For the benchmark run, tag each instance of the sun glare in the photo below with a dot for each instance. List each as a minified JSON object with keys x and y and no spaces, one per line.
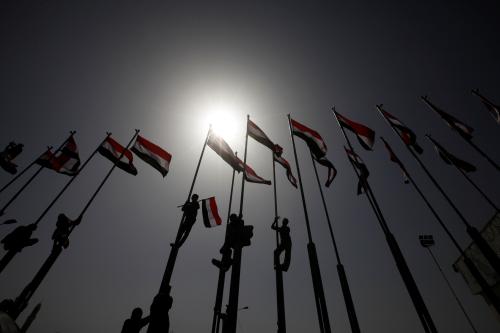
{"x":223,"y":121}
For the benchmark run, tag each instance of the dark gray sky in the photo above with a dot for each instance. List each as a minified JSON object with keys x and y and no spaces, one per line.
{"x":163,"y":67}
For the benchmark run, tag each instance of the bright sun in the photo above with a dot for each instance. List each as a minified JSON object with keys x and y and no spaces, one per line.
{"x":223,"y":122}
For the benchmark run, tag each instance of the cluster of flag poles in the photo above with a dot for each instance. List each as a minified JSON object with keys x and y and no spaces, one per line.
{"x":66,"y":160}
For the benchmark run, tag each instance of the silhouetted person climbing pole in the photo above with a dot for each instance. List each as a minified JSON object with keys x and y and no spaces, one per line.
{"x":285,"y":244}
{"x":10,"y":152}
{"x":135,"y":323}
{"x":16,"y":241}
{"x":63,"y":229}
{"x":190,"y":210}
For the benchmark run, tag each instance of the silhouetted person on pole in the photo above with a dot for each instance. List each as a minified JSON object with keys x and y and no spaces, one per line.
{"x":284,"y":245}
{"x":135,"y":323}
{"x":19,"y":238}
{"x":190,"y":210}
{"x":63,"y":229}
{"x":10,"y":152}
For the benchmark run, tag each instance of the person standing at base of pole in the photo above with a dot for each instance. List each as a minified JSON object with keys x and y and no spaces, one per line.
{"x":285,"y":244}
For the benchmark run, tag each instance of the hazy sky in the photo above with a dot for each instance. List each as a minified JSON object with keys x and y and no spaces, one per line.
{"x":165,"y":68}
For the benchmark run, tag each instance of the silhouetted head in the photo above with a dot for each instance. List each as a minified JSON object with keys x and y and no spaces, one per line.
{"x":285,"y":221}
{"x":136,"y":314}
{"x":194,"y":197}
{"x":61,"y":217}
{"x":233,"y":217}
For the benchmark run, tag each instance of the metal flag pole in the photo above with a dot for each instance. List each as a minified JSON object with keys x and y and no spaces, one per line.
{"x":280,"y":293}
{"x":14,"y":197}
{"x":12,"y":252}
{"x":483,"y":246}
{"x":427,"y":241}
{"x":493,"y":298}
{"x":23,"y":299}
{"x":351,"y":311}
{"x":18,"y":176}
{"x":229,"y":325}
{"x":319,"y":296}
{"x":226,"y":256}
{"x":404,"y":270}
{"x":492,"y":204}
{"x":162,"y":302}
{"x":468,"y":140}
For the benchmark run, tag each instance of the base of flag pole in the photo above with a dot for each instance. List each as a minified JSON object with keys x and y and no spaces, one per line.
{"x":159,"y":312}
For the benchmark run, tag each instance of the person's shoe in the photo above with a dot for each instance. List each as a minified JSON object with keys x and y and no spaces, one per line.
{"x":217,"y":263}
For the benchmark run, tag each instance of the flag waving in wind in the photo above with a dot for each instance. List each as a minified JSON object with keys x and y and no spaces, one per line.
{"x":258,"y":135}
{"x":316,"y":145}
{"x":251,"y":176}
{"x":396,"y":160}
{"x":112,"y":150}
{"x":365,"y":135}
{"x":407,"y":135}
{"x":462,"y":129}
{"x":211,"y":217}
{"x":286,"y":165}
{"x":152,"y":155}
{"x":363,"y":172}
{"x":67,"y":161}
{"x":451,"y":159}
{"x":222,"y":149}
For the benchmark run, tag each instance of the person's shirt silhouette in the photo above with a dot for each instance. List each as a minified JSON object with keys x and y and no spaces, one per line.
{"x":135,"y":323}
{"x":190,"y":210}
{"x":284,"y":245}
{"x":63,"y":228}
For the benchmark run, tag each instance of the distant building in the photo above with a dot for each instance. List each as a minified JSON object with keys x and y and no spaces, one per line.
{"x":491,"y":233}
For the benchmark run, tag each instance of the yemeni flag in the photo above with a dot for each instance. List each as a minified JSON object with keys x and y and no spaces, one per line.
{"x":316,"y":145}
{"x":222,"y":149}
{"x":68,"y":160}
{"x":112,"y":150}
{"x":365,"y":135}
{"x":288,"y":169}
{"x":396,"y":160}
{"x":363,"y":172}
{"x":451,"y":159}
{"x":462,"y":129}
{"x":250,"y":175}
{"x":152,"y":154}
{"x":258,"y":135}
{"x":492,"y":108}
{"x":407,"y":135}
{"x":211,"y":217}
{"x":45,"y":159}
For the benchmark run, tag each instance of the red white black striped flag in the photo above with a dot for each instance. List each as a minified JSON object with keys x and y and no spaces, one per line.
{"x":112,"y":151}
{"x":286,"y":165}
{"x":222,"y":149}
{"x":258,"y":135}
{"x":396,"y":160}
{"x":251,"y":176}
{"x":211,"y":217}
{"x":317,"y":146}
{"x":407,"y":135}
{"x":152,"y":154}
{"x":365,"y":135}
{"x":462,"y":129}
{"x":451,"y":159}
{"x":67,"y":161}
{"x":363,"y":172}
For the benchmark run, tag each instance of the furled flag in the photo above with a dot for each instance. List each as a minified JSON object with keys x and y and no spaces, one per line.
{"x":358,"y":163}
{"x":406,"y":134}
{"x":365,"y":135}
{"x":8,"y":155}
{"x":68,"y":159}
{"x":286,"y":165}
{"x":211,"y":217}
{"x":462,"y":129}
{"x":251,"y":176}
{"x":152,"y":154}
{"x":223,"y":150}
{"x":256,"y":133}
{"x":316,"y":145}
{"x":396,"y":160}
{"x":451,"y":159}
{"x":112,"y":150}
{"x":494,"y":109}
{"x":45,"y":159}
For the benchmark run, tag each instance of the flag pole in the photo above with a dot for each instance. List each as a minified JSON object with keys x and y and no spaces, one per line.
{"x":351,"y":311}
{"x":162,"y":302}
{"x":468,"y":262}
{"x":469,"y":141}
{"x":319,"y":296}
{"x":404,"y":270}
{"x":23,"y":299}
{"x":14,"y":197}
{"x":492,"y":204}
{"x":229,"y":325}
{"x":18,"y":176}
{"x":428,"y":248}
{"x":280,"y":293}
{"x":226,"y":256}
{"x":483,"y":246}
{"x":11,"y":253}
